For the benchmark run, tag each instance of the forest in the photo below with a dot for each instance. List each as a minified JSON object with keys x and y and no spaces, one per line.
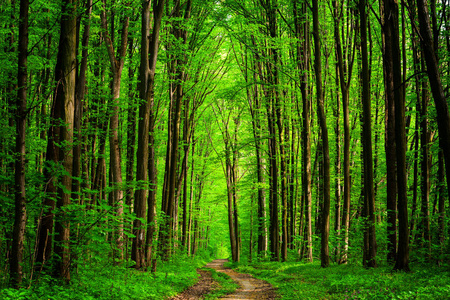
{"x":142,"y":139}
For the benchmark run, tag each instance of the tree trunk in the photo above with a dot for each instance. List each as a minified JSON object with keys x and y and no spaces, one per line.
{"x":20,"y":212}
{"x":170,"y":182}
{"x":440,"y":101}
{"x":149,"y":54}
{"x":425,"y":166}
{"x":325,"y":220}
{"x":79,"y":98}
{"x":303,"y":50}
{"x":390,"y":143}
{"x":117,"y":64}
{"x":131,"y":129}
{"x":345,"y":89}
{"x":235,"y":174}
{"x":338,"y":191}
{"x":441,"y":218}
{"x":369,"y":195}
{"x":65,"y":71}
{"x":394,"y":80}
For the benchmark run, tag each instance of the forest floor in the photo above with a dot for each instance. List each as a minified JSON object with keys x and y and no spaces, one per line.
{"x":250,"y":287}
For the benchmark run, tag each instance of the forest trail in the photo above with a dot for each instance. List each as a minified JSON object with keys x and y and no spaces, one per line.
{"x":250,"y":287}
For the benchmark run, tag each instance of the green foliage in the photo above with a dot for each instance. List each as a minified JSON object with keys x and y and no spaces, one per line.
{"x":98,"y":280}
{"x":295,"y":280}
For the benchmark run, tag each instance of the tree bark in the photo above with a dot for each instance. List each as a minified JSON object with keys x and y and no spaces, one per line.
{"x":344,"y":71}
{"x":369,"y":195}
{"x":117,"y":64}
{"x":79,"y":98}
{"x":65,"y":72}
{"x":303,"y":49}
{"x":145,"y":150}
{"x":390,"y":143}
{"x":440,"y":101}
{"x":325,"y":220}
{"x":170,"y":182}
{"x":20,"y":212}
{"x":394,"y":76}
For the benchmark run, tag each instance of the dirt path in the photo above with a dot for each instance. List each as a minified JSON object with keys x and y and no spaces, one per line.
{"x":250,"y":287}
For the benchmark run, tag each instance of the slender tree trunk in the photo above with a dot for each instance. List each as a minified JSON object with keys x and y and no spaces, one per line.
{"x":255,"y":107}
{"x":170,"y":182}
{"x":191,"y":200}
{"x":131,"y":126}
{"x":390,"y":143}
{"x":345,"y":85}
{"x":441,"y":219}
{"x":151,"y":200}
{"x":325,"y":222}
{"x":231,"y":224}
{"x":20,"y":212}
{"x":302,"y":31}
{"x":337,"y":222}
{"x":425,"y":166}
{"x":369,"y":195}
{"x":235,"y":174}
{"x":117,"y":64}
{"x":79,"y":98}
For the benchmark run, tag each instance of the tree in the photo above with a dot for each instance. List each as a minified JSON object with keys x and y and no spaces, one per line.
{"x":345,"y":68}
{"x":117,"y":64}
{"x":145,"y":150}
{"x":429,"y":51}
{"x":20,"y":215}
{"x":325,"y":228}
{"x":176,"y":93}
{"x":390,"y":140}
{"x":65,"y":71}
{"x":303,"y":53}
{"x":369,"y":196}
{"x":393,"y":89}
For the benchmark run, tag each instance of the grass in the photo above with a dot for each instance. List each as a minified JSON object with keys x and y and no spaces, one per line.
{"x":104,"y":281}
{"x":295,"y":280}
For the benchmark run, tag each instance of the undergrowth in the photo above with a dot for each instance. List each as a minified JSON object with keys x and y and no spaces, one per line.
{"x":108,"y":282}
{"x":296,"y":280}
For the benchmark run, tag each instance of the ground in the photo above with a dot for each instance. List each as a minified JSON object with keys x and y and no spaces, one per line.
{"x":250,"y":287}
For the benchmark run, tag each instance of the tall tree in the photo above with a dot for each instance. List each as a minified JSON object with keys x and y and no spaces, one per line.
{"x":20,"y":216}
{"x":303,"y":53}
{"x":440,"y":101}
{"x":176,"y":94}
{"x":325,"y":220}
{"x":369,"y":195}
{"x":390,"y":140}
{"x":80,"y":91}
{"x":229,"y":168}
{"x":345,"y":67}
{"x":394,"y":80}
{"x":117,"y":63}
{"x":64,"y":99}
{"x":145,"y":150}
